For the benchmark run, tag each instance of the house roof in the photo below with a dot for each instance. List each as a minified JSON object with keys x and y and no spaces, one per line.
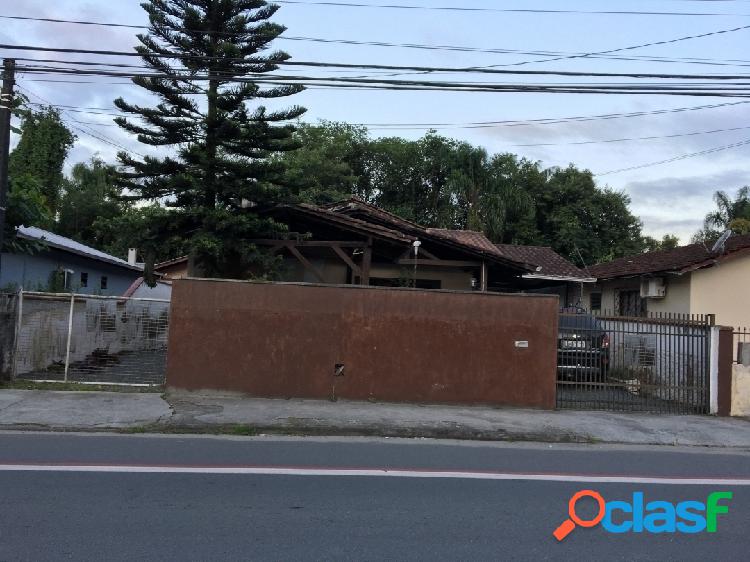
{"x":168,"y":263}
{"x":548,"y":263}
{"x":679,"y":260}
{"x":67,"y":245}
{"x":355,"y":205}
{"x":471,"y":238}
{"x":347,"y":222}
{"x":463,"y":240}
{"x":137,"y":284}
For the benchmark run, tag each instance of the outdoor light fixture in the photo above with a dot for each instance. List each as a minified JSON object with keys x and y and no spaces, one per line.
{"x":416,"y":245}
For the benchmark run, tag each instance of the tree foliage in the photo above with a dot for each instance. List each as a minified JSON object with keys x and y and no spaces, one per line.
{"x":446,"y":183}
{"x":667,"y":242}
{"x":91,"y":194}
{"x":40,"y":154}
{"x":731,"y":213}
{"x":35,"y":173}
{"x":222,"y":150}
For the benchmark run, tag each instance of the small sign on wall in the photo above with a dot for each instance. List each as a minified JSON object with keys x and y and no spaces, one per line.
{"x":523,"y":344}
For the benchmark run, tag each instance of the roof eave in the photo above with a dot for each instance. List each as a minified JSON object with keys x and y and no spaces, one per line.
{"x":561,"y":278}
{"x":62,"y":248}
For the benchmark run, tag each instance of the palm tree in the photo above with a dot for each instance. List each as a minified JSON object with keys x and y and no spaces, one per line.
{"x":730,"y":214}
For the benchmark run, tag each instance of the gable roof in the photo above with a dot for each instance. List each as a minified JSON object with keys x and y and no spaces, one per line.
{"x":475,"y":243}
{"x":71,"y":246}
{"x":343,"y":221}
{"x":355,"y":206}
{"x":548,"y":263}
{"x":471,"y":238}
{"x":679,"y":260}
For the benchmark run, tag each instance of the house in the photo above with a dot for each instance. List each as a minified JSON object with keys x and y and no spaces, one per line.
{"x":140,"y":290}
{"x":66,"y":265}
{"x":355,"y":243}
{"x":694,"y":279}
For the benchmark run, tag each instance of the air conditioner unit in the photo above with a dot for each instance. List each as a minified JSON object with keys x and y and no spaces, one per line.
{"x":653,"y":288}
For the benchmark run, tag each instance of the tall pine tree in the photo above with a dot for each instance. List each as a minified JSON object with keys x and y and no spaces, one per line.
{"x":221,"y":148}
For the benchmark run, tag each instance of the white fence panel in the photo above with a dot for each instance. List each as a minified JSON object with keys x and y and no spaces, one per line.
{"x":88,"y":338}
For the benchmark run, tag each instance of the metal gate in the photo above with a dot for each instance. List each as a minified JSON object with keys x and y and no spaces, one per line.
{"x":90,"y":339}
{"x":660,"y":363}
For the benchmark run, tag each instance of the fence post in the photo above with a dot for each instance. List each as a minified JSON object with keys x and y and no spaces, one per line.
{"x":70,"y":334}
{"x":17,"y":337}
{"x":724,"y":397}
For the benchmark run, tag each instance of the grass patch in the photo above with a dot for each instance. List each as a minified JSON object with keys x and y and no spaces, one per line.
{"x":19,"y":384}
{"x":240,"y":430}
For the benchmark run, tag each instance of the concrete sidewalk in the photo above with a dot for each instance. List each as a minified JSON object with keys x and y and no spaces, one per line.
{"x":192,"y":412}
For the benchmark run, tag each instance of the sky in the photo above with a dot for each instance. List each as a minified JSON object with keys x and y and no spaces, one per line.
{"x":670,"y":198}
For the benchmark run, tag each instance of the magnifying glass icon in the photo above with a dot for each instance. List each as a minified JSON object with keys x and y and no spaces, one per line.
{"x":569,"y":524}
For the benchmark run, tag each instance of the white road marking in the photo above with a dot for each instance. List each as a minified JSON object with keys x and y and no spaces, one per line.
{"x":400,"y":473}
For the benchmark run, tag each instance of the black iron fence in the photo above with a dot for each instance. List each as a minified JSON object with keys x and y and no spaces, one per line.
{"x":741,"y":336}
{"x":659,"y":363}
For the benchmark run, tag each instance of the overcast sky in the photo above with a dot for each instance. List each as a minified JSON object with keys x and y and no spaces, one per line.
{"x":669,"y":198}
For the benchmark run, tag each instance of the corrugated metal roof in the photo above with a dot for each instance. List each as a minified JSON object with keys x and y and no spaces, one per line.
{"x":67,"y":245}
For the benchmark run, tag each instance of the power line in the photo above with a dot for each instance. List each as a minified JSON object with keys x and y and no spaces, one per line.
{"x":317,"y":64}
{"x":82,"y":128}
{"x":107,"y":111}
{"x":678,"y":158}
{"x":629,"y":139}
{"x":601,"y":54}
{"x":504,"y":10}
{"x":633,"y":47}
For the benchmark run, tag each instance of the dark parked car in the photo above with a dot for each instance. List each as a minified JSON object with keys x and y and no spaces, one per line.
{"x":582,"y":346}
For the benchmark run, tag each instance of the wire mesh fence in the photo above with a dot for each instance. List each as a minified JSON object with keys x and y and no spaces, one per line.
{"x":659,"y":363}
{"x":91,"y":339}
{"x":8,"y":303}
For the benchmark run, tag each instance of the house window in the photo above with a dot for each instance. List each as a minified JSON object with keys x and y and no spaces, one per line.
{"x":596,"y":301}
{"x":630,"y":303}
{"x":103,"y":285}
{"x":84,"y":279}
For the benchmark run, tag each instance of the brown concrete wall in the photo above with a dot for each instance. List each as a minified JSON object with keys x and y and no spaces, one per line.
{"x":285,"y":340}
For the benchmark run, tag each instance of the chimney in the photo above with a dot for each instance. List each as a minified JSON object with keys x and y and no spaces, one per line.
{"x":132,"y":256}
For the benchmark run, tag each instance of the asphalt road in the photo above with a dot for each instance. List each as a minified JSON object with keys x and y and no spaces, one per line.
{"x":103,"y":497}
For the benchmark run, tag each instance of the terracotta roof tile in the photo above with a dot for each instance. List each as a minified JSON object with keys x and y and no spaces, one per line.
{"x":679,"y":260}
{"x":476,"y":240}
{"x":551,"y":263}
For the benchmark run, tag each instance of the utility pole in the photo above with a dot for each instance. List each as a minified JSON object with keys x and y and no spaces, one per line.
{"x":6,"y":103}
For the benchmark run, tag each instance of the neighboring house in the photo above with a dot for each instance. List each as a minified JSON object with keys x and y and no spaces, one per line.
{"x":66,"y":265}
{"x":173,"y":269}
{"x":355,"y":243}
{"x":687,"y":280}
{"x":140,"y":290}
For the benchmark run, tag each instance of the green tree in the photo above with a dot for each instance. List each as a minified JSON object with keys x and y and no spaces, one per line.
{"x":151,"y":229}
{"x":223,"y":166}
{"x":40,"y":154}
{"x":441,"y":182}
{"x":730,"y":214}
{"x":90,"y":194}
{"x":668,"y":242}
{"x":331,"y":163}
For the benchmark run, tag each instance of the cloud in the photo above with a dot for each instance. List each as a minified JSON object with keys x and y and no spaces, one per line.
{"x":677,"y":205}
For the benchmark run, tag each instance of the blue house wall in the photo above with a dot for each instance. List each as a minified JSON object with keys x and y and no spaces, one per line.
{"x":33,"y":272}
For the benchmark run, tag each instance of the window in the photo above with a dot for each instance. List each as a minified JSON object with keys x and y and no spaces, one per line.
{"x":630,"y":303}
{"x":596,"y":301}
{"x":103,"y":285}
{"x":84,"y":279}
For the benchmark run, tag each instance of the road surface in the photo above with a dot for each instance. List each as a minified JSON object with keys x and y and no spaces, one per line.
{"x":110,"y":497}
